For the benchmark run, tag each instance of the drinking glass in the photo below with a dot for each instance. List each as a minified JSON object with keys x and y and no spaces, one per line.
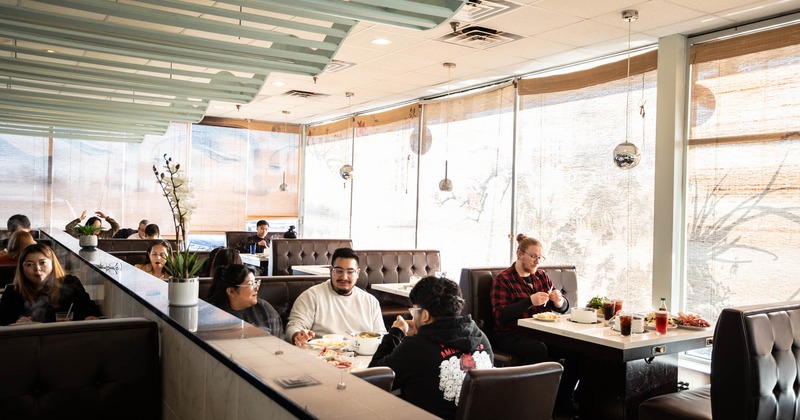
{"x":625,"y":324}
{"x":617,"y":306}
{"x":661,"y":322}
{"x":64,"y":316}
{"x":252,"y":248}
{"x":608,"y":309}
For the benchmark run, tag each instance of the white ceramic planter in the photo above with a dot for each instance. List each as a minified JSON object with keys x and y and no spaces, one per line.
{"x":185,"y":315}
{"x":88,"y":241}
{"x":183,"y":292}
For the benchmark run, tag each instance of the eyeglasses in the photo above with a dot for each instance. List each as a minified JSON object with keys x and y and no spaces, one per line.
{"x":413,"y":311}
{"x":339,"y":271}
{"x":254,"y":285}
{"x":536,"y":258}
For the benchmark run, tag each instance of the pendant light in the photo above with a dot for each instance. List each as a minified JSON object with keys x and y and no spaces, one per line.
{"x":346,"y":171}
{"x":446,"y":185}
{"x":283,"y":185}
{"x":626,"y":154}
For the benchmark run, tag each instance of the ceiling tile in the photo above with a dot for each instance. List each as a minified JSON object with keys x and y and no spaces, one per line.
{"x":402,"y":63}
{"x":711,"y":6}
{"x":583,"y":33}
{"x":532,"y":47}
{"x":399,"y":42}
{"x":653,"y":14}
{"x":529,"y":20}
{"x":437,"y":50}
{"x":755,"y":10}
{"x":587,"y":9}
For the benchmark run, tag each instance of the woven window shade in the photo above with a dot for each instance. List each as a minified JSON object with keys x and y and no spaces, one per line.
{"x":595,"y":76}
{"x":743,"y":171}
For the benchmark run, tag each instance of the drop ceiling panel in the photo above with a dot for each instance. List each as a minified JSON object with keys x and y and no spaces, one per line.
{"x":398,"y":63}
{"x":437,"y":50}
{"x":588,"y":9}
{"x":654,"y":14}
{"x":583,"y":33}
{"x":529,"y":20}
{"x":530,"y":48}
{"x":399,"y":42}
{"x":688,"y":27}
{"x":711,"y":6}
{"x":758,"y":9}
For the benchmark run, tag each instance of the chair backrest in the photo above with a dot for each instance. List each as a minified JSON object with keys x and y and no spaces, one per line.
{"x":234,"y":238}
{"x":754,"y":362}
{"x":88,"y":370}
{"x":476,"y":285}
{"x":395,"y":265}
{"x":523,"y":392}
{"x":284,"y":253}
{"x":121,"y":245}
{"x":380,"y":376}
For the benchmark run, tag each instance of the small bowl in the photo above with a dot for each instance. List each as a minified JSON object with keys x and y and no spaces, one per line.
{"x":332,"y":338}
{"x":366,"y":342}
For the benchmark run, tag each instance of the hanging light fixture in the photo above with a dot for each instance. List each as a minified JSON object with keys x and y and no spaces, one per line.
{"x":626,"y":154}
{"x":446,"y":185}
{"x":283,"y":185}
{"x":346,"y":171}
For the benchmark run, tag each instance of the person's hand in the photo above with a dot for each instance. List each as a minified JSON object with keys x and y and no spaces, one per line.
{"x":539,"y":298}
{"x":400,"y":323}
{"x":555,"y":296}
{"x":262,"y":243}
{"x":301,"y":337}
{"x":100,"y":214}
{"x":90,"y":318}
{"x":412,"y":328}
{"x":83,"y":215}
{"x":24,"y":319}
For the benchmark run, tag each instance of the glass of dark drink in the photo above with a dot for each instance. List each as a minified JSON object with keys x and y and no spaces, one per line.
{"x":617,"y":306}
{"x":625,"y":324}
{"x":608,"y":309}
{"x":661,"y":322}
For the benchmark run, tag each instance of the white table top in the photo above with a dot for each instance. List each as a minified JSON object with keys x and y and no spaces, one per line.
{"x":600,"y":334}
{"x":254,"y":259}
{"x":313,"y":270}
{"x":400,"y":289}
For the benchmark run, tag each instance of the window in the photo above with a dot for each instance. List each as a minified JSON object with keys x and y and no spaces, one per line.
{"x":587,"y":212}
{"x":327,"y":195}
{"x":743,"y":200}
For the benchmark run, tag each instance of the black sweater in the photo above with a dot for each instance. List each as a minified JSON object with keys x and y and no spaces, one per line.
{"x":430,"y":366}
{"x":12,"y":306}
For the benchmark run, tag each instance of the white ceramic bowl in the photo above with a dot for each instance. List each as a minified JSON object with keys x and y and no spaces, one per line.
{"x":367,"y":345}
{"x":583,"y":315}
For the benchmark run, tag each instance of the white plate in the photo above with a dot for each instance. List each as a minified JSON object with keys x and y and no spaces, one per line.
{"x":538,"y":318}
{"x":586,"y":323}
{"x":653,"y":327}
{"x":321,"y":343}
{"x":689,"y":327}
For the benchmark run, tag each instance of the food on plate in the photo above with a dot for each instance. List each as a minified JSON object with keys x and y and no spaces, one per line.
{"x":331,"y":344}
{"x":650,"y":320}
{"x":596,"y":303}
{"x":367,"y":335}
{"x":691,"y":320}
{"x":546,"y":315}
{"x":335,"y":358}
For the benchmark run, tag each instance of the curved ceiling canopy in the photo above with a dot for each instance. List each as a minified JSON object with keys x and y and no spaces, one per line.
{"x":116,"y":71}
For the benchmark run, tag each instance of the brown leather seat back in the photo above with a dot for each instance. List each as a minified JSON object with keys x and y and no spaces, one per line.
{"x":518,"y":392}
{"x":122,"y":245}
{"x":395,"y":265}
{"x":103,"y":369}
{"x":380,"y":376}
{"x":284,"y":253}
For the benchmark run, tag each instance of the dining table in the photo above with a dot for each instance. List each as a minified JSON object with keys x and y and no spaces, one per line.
{"x":618,"y":372}
{"x":311,"y":270}
{"x":256,"y":260}
{"x":393,"y":292}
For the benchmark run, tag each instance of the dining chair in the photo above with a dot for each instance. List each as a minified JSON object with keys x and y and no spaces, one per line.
{"x":380,"y":376}
{"x":525,"y":392}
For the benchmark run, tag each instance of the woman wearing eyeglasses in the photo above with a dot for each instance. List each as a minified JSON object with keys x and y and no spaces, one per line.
{"x":41,"y":288}
{"x":235,"y":291}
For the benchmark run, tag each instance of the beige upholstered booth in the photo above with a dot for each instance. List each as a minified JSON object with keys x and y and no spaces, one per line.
{"x":284,"y":253}
{"x":754,"y":369}
{"x":104,"y":369}
{"x":476,"y":285}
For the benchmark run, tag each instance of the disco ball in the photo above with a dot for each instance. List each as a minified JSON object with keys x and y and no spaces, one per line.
{"x":346,"y":172}
{"x":626,"y":155}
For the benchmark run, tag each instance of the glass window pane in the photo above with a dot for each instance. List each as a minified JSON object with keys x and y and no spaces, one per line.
{"x":573,"y":198}
{"x":327,"y":194}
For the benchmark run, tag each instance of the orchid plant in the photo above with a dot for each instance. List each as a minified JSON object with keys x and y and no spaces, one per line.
{"x":175,"y":186}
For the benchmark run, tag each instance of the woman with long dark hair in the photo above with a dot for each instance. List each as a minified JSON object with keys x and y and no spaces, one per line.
{"x":41,"y":288}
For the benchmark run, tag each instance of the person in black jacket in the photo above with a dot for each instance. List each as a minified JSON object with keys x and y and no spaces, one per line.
{"x":431,"y":354}
{"x":41,"y":288}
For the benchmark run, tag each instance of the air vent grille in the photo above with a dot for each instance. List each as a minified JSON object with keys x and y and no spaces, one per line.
{"x":336,"y":66}
{"x":479,"y":37}
{"x":474,"y":11}
{"x":305,"y":94}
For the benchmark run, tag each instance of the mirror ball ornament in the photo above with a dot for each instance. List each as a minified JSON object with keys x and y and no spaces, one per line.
{"x":445,"y":185}
{"x":346,"y":172}
{"x":626,"y":155}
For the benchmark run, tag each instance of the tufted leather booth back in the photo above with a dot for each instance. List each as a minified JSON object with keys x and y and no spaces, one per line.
{"x":284,"y":253}
{"x":82,"y":370}
{"x":140,"y":257}
{"x":754,"y":369}
{"x":395,"y":266}
{"x":754,"y":362}
{"x":119,"y":245}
